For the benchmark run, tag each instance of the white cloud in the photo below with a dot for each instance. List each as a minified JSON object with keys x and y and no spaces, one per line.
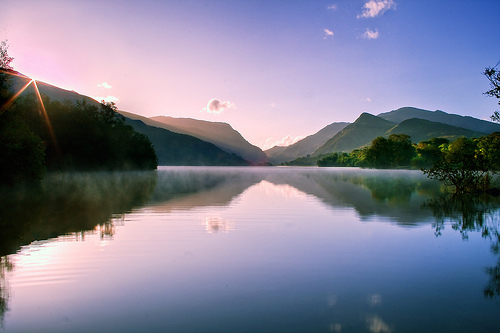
{"x":215,"y":106}
{"x":104,"y":85}
{"x":370,"y":34}
{"x":375,"y":8}
{"x":328,"y":33}
{"x":283,"y":142}
{"x":106,"y":99}
{"x":332,"y":7}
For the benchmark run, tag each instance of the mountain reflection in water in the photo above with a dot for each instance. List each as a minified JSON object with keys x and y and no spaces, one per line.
{"x":75,"y":206}
{"x":395,"y":194}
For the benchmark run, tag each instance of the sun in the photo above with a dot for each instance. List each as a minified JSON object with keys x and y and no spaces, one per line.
{"x":39,"y":97}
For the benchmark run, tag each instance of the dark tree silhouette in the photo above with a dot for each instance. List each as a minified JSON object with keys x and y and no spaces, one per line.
{"x":5,"y":59}
{"x":493,"y":76}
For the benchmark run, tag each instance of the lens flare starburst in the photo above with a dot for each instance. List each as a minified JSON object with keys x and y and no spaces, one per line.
{"x":12,"y":99}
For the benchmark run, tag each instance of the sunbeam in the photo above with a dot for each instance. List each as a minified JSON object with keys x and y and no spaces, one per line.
{"x":49,"y":124}
{"x":13,"y":98}
{"x":44,"y":111}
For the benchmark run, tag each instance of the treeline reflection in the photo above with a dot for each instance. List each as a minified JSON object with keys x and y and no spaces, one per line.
{"x":76,"y":203}
{"x":68,"y":203}
{"x":397,"y":195}
{"x":472,"y":213}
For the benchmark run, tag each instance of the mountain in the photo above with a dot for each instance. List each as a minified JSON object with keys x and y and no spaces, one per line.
{"x":421,"y":129}
{"x":305,"y":146}
{"x":473,"y":124}
{"x":181,"y":149}
{"x":358,"y":134}
{"x":220,"y":134}
{"x":171,"y":148}
{"x":19,"y":80}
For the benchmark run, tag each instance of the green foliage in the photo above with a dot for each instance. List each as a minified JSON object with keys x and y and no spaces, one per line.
{"x":303,"y":161}
{"x":85,"y":136}
{"x":467,"y":164}
{"x":354,"y":159}
{"x":21,"y":150}
{"x":65,"y":136}
{"x":396,"y":151}
{"x":429,"y":152}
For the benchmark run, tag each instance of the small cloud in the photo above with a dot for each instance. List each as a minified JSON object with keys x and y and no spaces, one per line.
{"x":370,"y":34}
{"x":215,"y":106}
{"x":375,"y":8}
{"x":106,"y":99}
{"x":328,"y":33}
{"x":332,"y":7}
{"x":272,"y":105}
{"x":283,"y":142}
{"x":104,"y":85}
{"x":367,"y":99}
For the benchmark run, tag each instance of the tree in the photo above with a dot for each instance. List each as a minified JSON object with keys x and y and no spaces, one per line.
{"x":21,"y":151}
{"x":5,"y":60}
{"x":467,"y":163}
{"x":493,"y":76}
{"x":395,"y":151}
{"x":429,"y":152}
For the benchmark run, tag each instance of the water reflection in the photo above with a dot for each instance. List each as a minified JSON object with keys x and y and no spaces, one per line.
{"x":472,"y":213}
{"x":397,"y":195}
{"x":5,"y":267}
{"x":377,"y":325}
{"x":214,"y":224}
{"x":292,"y":255}
{"x":69,"y":203}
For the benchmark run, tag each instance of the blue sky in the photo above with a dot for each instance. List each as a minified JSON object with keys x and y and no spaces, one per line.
{"x":271,"y":69}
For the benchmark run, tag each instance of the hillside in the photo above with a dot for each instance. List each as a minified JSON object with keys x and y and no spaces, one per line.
{"x":470,"y":123}
{"x":421,"y":129}
{"x":63,"y":136}
{"x":305,"y":146}
{"x":358,"y":134}
{"x":182,"y":149}
{"x":171,"y":148}
{"x":220,"y":134}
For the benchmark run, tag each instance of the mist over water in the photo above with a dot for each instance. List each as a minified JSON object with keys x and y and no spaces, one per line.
{"x":224,"y":249}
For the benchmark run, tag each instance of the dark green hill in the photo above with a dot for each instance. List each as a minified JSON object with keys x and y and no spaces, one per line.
{"x":421,"y":129}
{"x":305,"y":146}
{"x":470,"y":123}
{"x":181,"y":149}
{"x":358,"y":134}
{"x":220,"y":134}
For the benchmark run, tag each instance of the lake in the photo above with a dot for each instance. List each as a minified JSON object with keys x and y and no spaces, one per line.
{"x":264,"y":249}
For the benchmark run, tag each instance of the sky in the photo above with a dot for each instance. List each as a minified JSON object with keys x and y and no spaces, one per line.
{"x":276,"y":71}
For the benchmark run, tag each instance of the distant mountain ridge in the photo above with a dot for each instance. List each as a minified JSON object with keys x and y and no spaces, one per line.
{"x":420,"y":129}
{"x":182,"y":149}
{"x":220,"y":134}
{"x":367,"y":127}
{"x":305,"y":146}
{"x":467,"y":122}
{"x":418,"y":123}
{"x":358,"y":134}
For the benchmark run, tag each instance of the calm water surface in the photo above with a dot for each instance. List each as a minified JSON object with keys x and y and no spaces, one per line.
{"x":248,"y":250}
